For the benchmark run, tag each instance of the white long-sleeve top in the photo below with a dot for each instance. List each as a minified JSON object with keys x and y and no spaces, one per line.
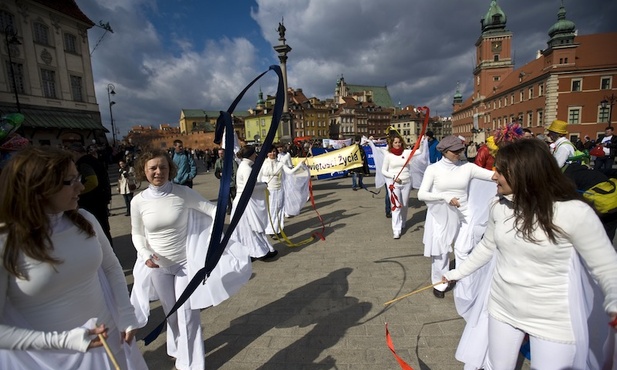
{"x":57,"y":299}
{"x":242,"y":176}
{"x":562,"y":150}
{"x":530,"y":283}
{"x":285,"y":159}
{"x":272,"y":171}
{"x":392,"y":165}
{"x":445,"y":180}
{"x":159,"y":218}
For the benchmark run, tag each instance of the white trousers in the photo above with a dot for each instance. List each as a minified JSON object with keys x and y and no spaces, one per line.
{"x":439,"y":266}
{"x":399,"y":214}
{"x":276,"y":222}
{"x":184,"y":337}
{"x":504,"y":343}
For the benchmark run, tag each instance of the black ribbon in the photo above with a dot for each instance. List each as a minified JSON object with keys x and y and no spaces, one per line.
{"x":218,"y":240}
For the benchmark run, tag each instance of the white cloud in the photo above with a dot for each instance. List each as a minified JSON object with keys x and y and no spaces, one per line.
{"x":419,"y":49}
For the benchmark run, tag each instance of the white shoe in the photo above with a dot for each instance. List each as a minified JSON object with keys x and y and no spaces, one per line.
{"x":397,"y":235}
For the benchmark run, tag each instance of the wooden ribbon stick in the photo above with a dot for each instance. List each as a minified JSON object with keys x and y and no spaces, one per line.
{"x":414,"y":292}
{"x":109,"y":353}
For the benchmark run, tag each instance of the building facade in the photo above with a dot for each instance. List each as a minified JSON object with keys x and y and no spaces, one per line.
{"x":46,"y":72}
{"x":568,"y":80}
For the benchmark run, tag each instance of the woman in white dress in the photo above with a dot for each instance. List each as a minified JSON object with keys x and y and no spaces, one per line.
{"x":251,"y":229}
{"x":396,"y":170}
{"x":445,"y":190}
{"x":165,"y":219}
{"x":272,"y":173}
{"x":61,"y":284}
{"x":539,"y":232}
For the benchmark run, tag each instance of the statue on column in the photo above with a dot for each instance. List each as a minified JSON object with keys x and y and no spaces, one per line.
{"x":281,"y":30}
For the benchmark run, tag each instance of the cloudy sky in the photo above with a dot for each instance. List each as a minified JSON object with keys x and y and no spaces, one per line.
{"x":167,"y":55}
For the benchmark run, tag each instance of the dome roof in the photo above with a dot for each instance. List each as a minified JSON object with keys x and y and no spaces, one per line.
{"x":458,"y":97}
{"x":563,"y":25}
{"x":260,"y":100}
{"x":494,"y":19}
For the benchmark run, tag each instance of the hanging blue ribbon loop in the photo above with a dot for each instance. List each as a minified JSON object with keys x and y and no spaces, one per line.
{"x":219,"y":239}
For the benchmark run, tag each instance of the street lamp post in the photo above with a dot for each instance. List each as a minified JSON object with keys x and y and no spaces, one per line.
{"x":10,"y":32}
{"x":609,"y":101}
{"x":111,"y":90}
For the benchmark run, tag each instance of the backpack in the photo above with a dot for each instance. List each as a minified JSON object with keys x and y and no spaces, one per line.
{"x":603,"y":196}
{"x":579,"y":156}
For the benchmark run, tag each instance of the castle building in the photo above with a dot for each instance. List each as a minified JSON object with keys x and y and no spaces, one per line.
{"x":569,"y":80}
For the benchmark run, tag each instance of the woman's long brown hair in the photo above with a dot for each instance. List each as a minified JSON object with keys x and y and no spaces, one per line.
{"x":537,"y":183}
{"x":30,"y":178}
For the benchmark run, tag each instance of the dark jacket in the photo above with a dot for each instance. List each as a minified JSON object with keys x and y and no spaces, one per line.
{"x":364,"y":169}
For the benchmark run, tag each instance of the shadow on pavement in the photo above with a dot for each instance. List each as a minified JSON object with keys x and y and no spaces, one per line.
{"x":321,"y":303}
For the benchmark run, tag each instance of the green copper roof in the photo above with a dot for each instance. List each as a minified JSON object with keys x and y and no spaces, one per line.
{"x":381,"y":96}
{"x":188,"y":113}
{"x":563,"y":25}
{"x":495,"y":18}
{"x":57,"y":118}
{"x":458,"y":97}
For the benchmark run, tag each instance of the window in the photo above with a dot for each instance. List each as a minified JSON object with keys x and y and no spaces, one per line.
{"x":496,"y":78}
{"x":605,"y":83}
{"x":495,"y":58}
{"x":70,"y":43}
{"x":511,"y":99}
{"x":529,"y":119}
{"x":41,"y":34}
{"x":530,"y":95}
{"x":577,"y":85}
{"x":48,"y":78}
{"x":6,"y":20}
{"x":540,"y":115}
{"x":521,"y":96}
{"x":540,"y":89}
{"x":76,"y":88}
{"x":574,"y":116}
{"x":603,"y":114}
{"x":18,"y":73}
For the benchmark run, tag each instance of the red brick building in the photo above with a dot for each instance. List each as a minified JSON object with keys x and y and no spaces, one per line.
{"x":568,"y":80}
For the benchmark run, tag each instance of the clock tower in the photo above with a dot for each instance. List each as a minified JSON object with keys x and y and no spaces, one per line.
{"x":493,"y":52}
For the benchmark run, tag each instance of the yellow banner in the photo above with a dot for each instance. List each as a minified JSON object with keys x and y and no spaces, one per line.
{"x":337,"y":160}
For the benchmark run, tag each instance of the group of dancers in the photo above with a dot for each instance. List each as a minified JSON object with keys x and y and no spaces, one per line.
{"x":532,"y":258}
{"x":64,"y":298}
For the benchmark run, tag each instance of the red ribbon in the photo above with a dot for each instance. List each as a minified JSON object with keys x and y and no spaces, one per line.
{"x":393,"y":197}
{"x":401,"y":362}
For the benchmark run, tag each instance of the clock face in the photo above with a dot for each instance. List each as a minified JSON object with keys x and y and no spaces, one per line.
{"x":496,"y":46}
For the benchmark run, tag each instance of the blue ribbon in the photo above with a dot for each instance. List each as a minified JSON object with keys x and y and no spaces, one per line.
{"x":218,"y":241}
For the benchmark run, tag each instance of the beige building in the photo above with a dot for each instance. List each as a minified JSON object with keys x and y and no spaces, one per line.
{"x":46,"y":72}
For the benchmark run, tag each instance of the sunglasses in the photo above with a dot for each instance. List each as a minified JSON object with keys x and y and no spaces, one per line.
{"x":73,"y":181}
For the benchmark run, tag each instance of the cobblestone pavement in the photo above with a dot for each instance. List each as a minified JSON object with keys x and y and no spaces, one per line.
{"x":321,"y":305}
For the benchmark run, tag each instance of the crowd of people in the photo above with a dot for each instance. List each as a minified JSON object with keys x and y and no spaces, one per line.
{"x":504,"y":208}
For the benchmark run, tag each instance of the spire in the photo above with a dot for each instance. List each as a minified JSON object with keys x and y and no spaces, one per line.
{"x":260,"y":101}
{"x":458,"y":97}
